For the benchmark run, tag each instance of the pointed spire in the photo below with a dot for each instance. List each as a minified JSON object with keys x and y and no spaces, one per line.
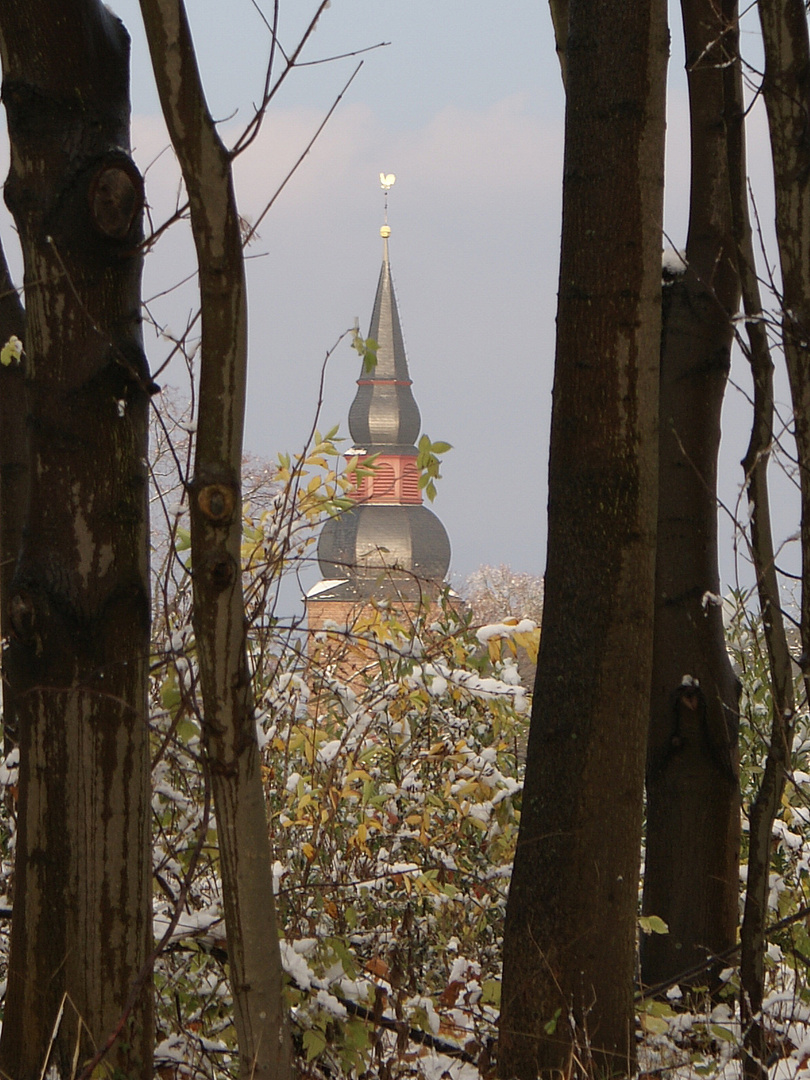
{"x":384,"y":417}
{"x":389,"y":538}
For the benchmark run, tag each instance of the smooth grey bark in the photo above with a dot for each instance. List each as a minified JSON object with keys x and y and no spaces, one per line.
{"x":569,"y":940}
{"x":79,"y":610}
{"x":229,"y":730}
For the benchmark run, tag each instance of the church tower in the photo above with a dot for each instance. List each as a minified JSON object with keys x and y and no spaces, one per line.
{"x":389,"y":545}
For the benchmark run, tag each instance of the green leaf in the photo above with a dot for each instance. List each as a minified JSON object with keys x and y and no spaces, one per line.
{"x":491,"y":992}
{"x":652,"y":924}
{"x":356,"y":1034}
{"x":367,"y":348}
{"x":420,"y":1019}
{"x":722,"y":1033}
{"x":658,"y":1008}
{"x":182,"y":540}
{"x":187,"y":729}
{"x":170,"y":696}
{"x":314,"y":1043}
{"x":441,"y":447}
{"x":655,"y":1025}
{"x":341,"y":951}
{"x":551,"y":1027}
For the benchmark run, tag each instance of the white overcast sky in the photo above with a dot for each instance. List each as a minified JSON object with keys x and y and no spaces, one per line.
{"x":465,"y":105}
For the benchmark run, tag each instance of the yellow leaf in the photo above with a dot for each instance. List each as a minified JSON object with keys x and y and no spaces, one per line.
{"x":309,"y":851}
{"x":358,"y":774}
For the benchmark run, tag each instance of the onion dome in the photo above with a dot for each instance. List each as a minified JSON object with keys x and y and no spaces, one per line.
{"x":389,"y":542}
{"x":372,"y":541}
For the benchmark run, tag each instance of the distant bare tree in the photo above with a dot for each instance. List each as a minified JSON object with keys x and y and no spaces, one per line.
{"x":497,"y":592}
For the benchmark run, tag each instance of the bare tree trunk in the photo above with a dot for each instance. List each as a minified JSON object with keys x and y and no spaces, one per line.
{"x":787,"y":98}
{"x":229,"y":729}
{"x":79,"y":610}
{"x":569,"y":941}
{"x":693,"y":806}
{"x":768,"y":801}
{"x":559,"y":19}
{"x":13,"y":471}
{"x":786,"y":89}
